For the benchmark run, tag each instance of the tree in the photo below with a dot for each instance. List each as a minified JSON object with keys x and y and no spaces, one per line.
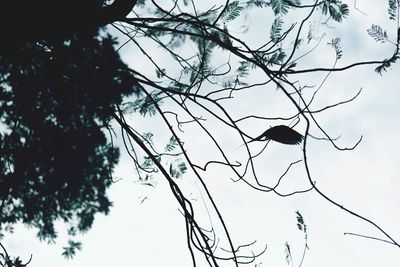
{"x":45,"y":19}
{"x":42,"y":114}
{"x":56,"y":160}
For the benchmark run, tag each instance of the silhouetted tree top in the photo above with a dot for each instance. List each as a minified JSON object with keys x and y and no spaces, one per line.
{"x":60,"y":79}
{"x":28,"y":21}
{"x":55,"y":104}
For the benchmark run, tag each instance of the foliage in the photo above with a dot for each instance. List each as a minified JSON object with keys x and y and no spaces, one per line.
{"x":378,"y":33}
{"x":55,"y":105}
{"x":393,"y":9}
{"x":70,"y":251}
{"x":336,"y":9}
{"x":381,"y":35}
{"x":232,"y":11}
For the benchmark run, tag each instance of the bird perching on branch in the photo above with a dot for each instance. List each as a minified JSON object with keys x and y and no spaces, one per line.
{"x":282,"y":134}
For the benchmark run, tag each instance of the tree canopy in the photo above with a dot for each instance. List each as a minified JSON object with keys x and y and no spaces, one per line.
{"x":29,"y":21}
{"x":61,"y":89}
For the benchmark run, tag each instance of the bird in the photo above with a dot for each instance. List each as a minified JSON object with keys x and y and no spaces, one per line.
{"x":282,"y":134}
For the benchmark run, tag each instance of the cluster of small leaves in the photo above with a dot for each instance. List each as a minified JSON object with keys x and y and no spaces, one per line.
{"x":288,"y":253}
{"x":387,"y":63}
{"x":144,"y":105}
{"x":336,"y":9}
{"x":243,"y":69}
{"x":171,"y":145}
{"x":179,"y":36}
{"x":232,"y":11}
{"x":335,"y":44}
{"x":222,"y":37}
{"x":281,"y":7}
{"x":302,"y":227}
{"x":257,"y":3}
{"x":70,"y":251}
{"x":148,"y":163}
{"x":160,"y":73}
{"x":310,"y":33}
{"x":8,"y":262}
{"x":393,"y":9}
{"x":378,"y":33}
{"x":276,"y":58}
{"x":148,"y":137}
{"x":276,"y":29}
{"x":177,"y":169}
{"x":300,"y":223}
{"x":148,"y":180}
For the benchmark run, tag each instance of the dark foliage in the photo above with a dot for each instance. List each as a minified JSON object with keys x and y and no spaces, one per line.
{"x":27,"y":21}
{"x":56,"y":100}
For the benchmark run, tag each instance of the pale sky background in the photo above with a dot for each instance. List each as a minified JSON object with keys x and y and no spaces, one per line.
{"x":151,"y":233}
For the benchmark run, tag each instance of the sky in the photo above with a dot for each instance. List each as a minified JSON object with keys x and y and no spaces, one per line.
{"x":146,"y":228}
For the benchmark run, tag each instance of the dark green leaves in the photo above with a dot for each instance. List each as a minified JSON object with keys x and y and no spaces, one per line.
{"x":378,"y":33}
{"x":145,"y":106}
{"x":335,"y":44}
{"x":276,"y":58}
{"x":71,"y":249}
{"x":335,"y":9}
{"x":393,"y":9}
{"x":300,"y":222}
{"x":280,"y":7}
{"x":232,"y":11}
{"x":276,"y":29}
{"x":172,"y":144}
{"x":387,"y":64}
{"x":177,"y":169}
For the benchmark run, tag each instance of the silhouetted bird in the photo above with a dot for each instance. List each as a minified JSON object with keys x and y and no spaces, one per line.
{"x":282,"y":134}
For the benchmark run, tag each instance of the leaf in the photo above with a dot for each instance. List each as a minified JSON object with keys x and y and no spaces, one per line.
{"x":276,"y":29}
{"x":148,"y":163}
{"x":300,"y":221}
{"x":378,"y":33}
{"x":387,"y":64}
{"x":288,"y":253}
{"x":232,"y":11}
{"x":280,"y":7}
{"x":178,"y":170}
{"x":293,"y":2}
{"x":171,"y":144}
{"x":182,"y":167}
{"x":276,"y":58}
{"x":148,"y":137}
{"x":160,"y":73}
{"x":393,"y":9}
{"x":335,"y":43}
{"x":243,"y":69}
{"x":257,"y":3}
{"x":71,"y":249}
{"x":145,"y":105}
{"x":335,"y":9}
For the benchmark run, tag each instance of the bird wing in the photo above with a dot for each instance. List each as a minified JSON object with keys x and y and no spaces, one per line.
{"x":282,"y":134}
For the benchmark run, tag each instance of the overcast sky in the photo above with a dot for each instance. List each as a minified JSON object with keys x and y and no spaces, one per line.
{"x":145,"y":227}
